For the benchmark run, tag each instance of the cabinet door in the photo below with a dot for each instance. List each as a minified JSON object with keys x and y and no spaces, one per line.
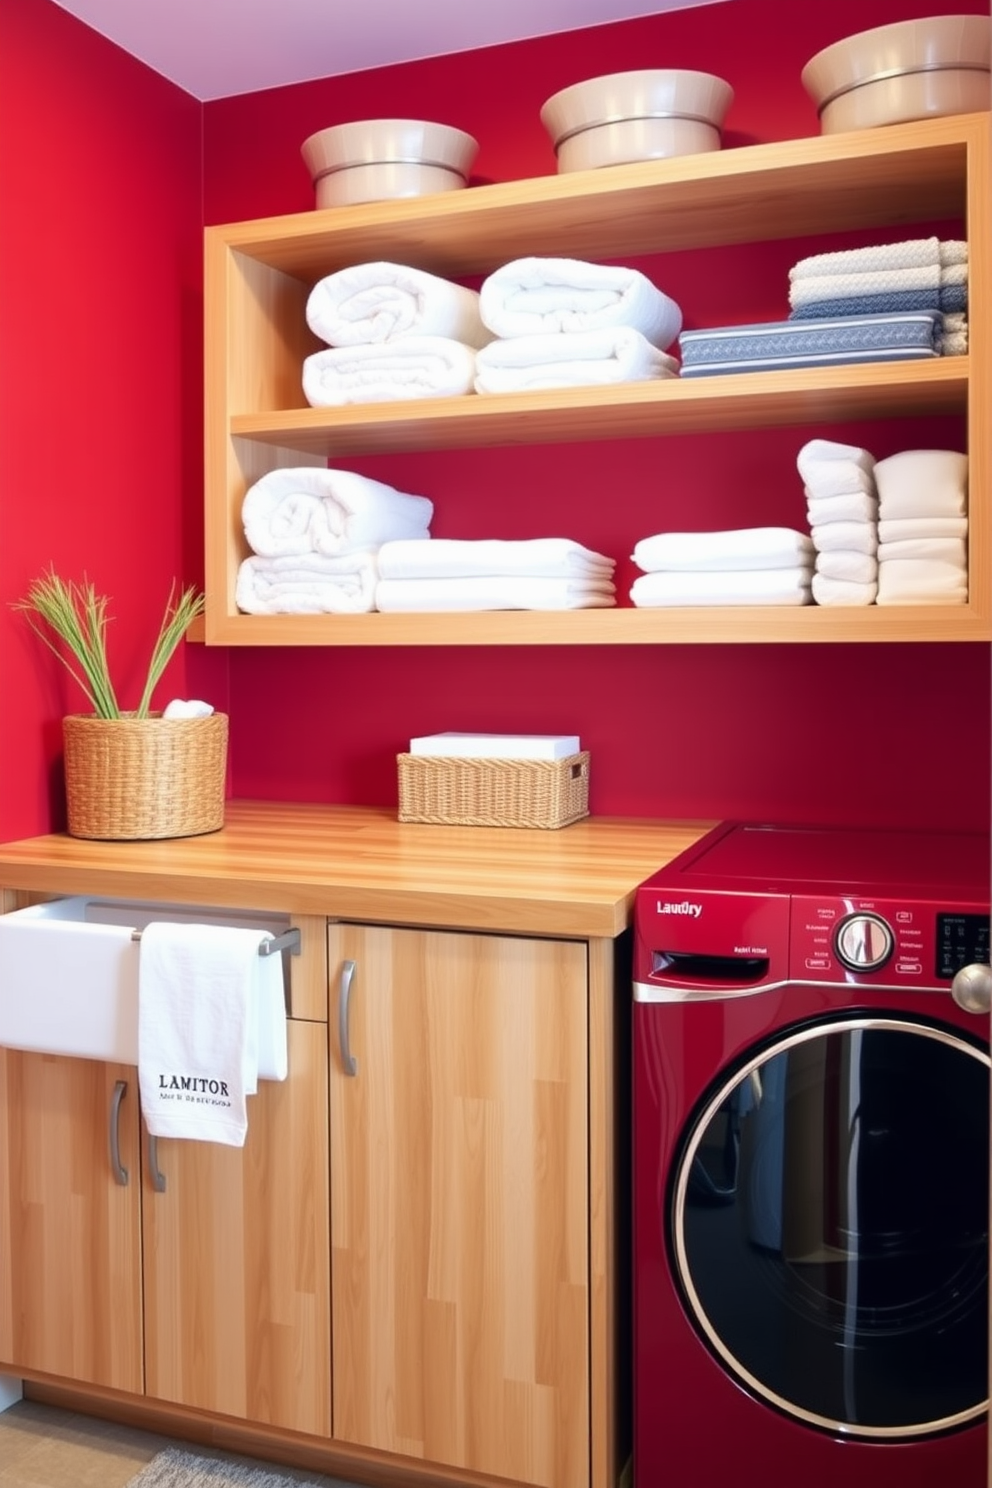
{"x":459,"y":1201}
{"x":236,"y":1258}
{"x":70,"y":1274}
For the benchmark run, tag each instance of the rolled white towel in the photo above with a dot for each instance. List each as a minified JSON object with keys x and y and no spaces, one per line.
{"x":307,"y":584}
{"x":830,"y":591}
{"x":898,"y":529}
{"x":913,"y":253}
{"x":410,"y":367}
{"x":495,"y":592}
{"x":581,"y":359}
{"x":726,"y":552}
{"x":308,"y":509}
{"x":922,"y":483}
{"x":941,"y":549}
{"x":375,"y":302}
{"x":541,"y":557}
{"x":854,"y":537}
{"x":921,"y":581}
{"x":852,"y":506}
{"x":772,"y":586}
{"x":538,"y":296}
{"x":852,"y":568}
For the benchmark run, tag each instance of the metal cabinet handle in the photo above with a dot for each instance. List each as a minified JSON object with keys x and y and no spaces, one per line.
{"x":117,"y":1167}
{"x":344,"y":996}
{"x":158,"y":1177}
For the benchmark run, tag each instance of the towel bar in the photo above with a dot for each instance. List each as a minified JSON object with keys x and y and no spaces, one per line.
{"x":289,"y":940}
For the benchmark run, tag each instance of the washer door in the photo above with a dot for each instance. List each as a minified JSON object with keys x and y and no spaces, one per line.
{"x":828,"y":1220}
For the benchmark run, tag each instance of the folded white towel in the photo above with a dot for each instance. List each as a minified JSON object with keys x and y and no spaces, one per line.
{"x":773,"y":586}
{"x":580,"y":359}
{"x":955,"y":320}
{"x":852,"y":568}
{"x":313,"y":510}
{"x":375,"y":302}
{"x":538,"y":296}
{"x":922,"y":483}
{"x":830,"y":591}
{"x":899,"y":528}
{"x":912,"y":254}
{"x":852,"y":506}
{"x":541,"y":557}
{"x":203,"y":991}
{"x":830,"y":468}
{"x":494,"y":592}
{"x":952,"y":251}
{"x":308,"y":584}
{"x":725,"y":552}
{"x":854,"y":537}
{"x":921,"y":581}
{"x":410,"y":367}
{"x":943,"y":549}
{"x":955,"y":344}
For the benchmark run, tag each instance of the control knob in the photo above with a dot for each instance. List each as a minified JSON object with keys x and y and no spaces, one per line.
{"x":972,"y":987}
{"x":863,"y":942}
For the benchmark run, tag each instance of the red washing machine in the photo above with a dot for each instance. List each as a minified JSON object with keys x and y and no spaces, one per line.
{"x":811,"y":1161}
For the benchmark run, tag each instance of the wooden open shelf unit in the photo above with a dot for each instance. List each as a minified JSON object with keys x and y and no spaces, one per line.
{"x":258,"y":276}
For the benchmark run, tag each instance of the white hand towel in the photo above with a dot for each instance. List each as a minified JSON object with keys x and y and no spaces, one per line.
{"x":913,"y":254}
{"x":838,"y":478}
{"x":376,"y":302}
{"x":580,"y":359}
{"x":897,"y":529}
{"x":731,"y":551}
{"x":542,"y":557}
{"x":829,"y":591}
{"x":955,"y":344}
{"x":495,"y":592}
{"x":308,"y":584}
{"x":203,"y":991}
{"x":410,"y":367}
{"x":922,"y":483}
{"x":942,"y":549}
{"x":538,"y":296}
{"x":952,"y":251}
{"x":855,"y":537}
{"x":852,"y":568}
{"x":817,"y":456}
{"x":921,"y":581}
{"x":312,"y":510}
{"x":853,"y":506}
{"x":774,"y":586}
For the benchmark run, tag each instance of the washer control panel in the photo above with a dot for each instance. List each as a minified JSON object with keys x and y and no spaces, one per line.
{"x":880,"y":941}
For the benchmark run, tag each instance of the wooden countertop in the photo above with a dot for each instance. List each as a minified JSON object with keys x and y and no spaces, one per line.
{"x":355,"y":862}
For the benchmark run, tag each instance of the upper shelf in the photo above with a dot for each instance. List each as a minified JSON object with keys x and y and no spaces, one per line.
{"x":868,"y":178}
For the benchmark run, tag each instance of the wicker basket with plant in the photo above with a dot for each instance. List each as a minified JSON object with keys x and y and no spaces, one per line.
{"x":129,"y":774}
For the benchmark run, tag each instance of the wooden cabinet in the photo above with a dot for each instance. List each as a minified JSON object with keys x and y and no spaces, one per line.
{"x":258,"y":276}
{"x":236,"y":1258}
{"x":70,"y":1249}
{"x":460,"y":1200}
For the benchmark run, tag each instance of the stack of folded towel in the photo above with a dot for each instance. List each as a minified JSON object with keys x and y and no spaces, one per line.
{"x":392,"y":332}
{"x":545,"y":573}
{"x":560,"y":322}
{"x":315,"y":535}
{"x":747,"y":566}
{"x":921,"y":274}
{"x":922,"y":527}
{"x":842,"y":509}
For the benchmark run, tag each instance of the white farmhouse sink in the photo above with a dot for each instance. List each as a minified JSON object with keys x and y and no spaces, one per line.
{"x":69,"y":974}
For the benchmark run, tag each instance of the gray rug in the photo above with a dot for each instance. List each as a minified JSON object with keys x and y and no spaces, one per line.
{"x":177,"y":1467}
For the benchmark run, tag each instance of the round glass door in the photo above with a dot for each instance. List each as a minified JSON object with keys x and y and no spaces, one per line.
{"x":829,"y":1225}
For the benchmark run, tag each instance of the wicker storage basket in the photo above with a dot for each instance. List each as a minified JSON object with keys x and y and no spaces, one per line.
{"x":493,"y":792}
{"x":140,"y":778}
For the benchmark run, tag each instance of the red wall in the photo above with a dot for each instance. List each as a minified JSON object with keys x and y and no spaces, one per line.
{"x":838,"y":733}
{"x":100,"y":387}
{"x":108,"y":174}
